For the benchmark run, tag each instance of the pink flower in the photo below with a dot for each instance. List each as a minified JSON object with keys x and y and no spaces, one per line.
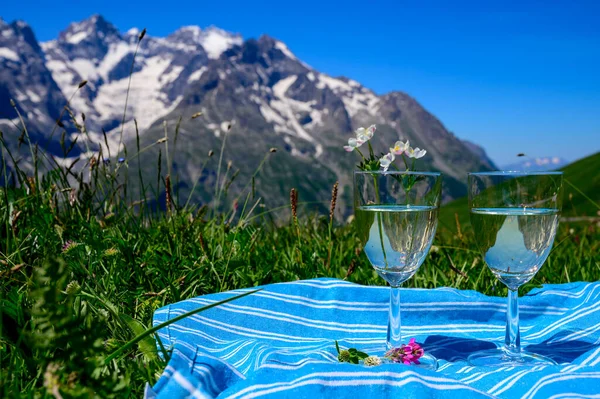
{"x":406,"y":354}
{"x":69,"y":245}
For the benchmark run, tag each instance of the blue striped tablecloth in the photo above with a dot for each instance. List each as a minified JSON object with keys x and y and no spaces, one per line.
{"x":279,"y":342}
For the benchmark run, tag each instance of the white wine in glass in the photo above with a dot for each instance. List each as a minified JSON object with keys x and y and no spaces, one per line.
{"x":514,"y":216}
{"x":396,"y":216}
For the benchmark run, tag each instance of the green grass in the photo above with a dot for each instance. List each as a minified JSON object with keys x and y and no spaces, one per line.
{"x":83,"y":265}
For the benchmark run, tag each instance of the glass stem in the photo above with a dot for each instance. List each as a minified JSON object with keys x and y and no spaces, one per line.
{"x":394,"y":335}
{"x":512,"y":342}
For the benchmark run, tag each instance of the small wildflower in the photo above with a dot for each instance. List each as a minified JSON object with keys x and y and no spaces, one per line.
{"x":386,"y":161}
{"x":415,"y":153}
{"x":400,"y":148}
{"x":68,"y":246}
{"x":51,"y":380}
{"x":121,"y":160}
{"x":73,"y":288}
{"x":344,"y":356}
{"x":406,"y":354}
{"x":372,"y":361}
{"x":111,"y":252}
{"x":361,"y":136}
{"x":106,"y":161}
{"x":273,"y":149}
{"x":211,"y":153}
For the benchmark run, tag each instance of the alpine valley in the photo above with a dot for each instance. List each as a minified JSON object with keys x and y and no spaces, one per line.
{"x":255,"y":94}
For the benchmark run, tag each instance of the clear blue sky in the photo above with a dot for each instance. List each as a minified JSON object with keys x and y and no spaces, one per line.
{"x":520,"y":76}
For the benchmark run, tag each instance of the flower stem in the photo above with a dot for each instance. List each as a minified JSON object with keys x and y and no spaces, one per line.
{"x":394,"y":336}
{"x":361,"y":154}
{"x":405,"y":163}
{"x":512,"y":343}
{"x":371,"y":150}
{"x":379,"y":222}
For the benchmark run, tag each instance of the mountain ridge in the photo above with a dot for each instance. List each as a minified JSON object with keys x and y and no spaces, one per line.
{"x":274,"y":98}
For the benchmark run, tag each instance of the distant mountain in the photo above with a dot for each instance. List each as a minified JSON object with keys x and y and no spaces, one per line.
{"x":258,"y":86}
{"x":537,"y":164}
{"x":25,"y":78}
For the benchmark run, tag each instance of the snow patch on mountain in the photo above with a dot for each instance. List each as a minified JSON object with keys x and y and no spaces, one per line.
{"x":283,"y":85}
{"x":8,"y":54}
{"x":216,"y":41}
{"x":115,"y":54}
{"x":77,"y":37}
{"x":196,"y":74}
{"x":285,"y":50}
{"x":283,"y":112}
{"x":147,"y":101}
{"x":86,"y":69}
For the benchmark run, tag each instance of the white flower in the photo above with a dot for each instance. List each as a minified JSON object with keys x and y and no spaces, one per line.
{"x":386,"y":161}
{"x":365,"y":134}
{"x":415,"y":153}
{"x":372,"y":361}
{"x":352,"y":144}
{"x":361,"y":136}
{"x":400,"y":147}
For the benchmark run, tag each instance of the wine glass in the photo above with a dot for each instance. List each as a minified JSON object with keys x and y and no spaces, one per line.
{"x":396,"y":216}
{"x":514,"y":216}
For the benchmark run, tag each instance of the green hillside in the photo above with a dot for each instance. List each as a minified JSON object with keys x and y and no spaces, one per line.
{"x":582,"y":176}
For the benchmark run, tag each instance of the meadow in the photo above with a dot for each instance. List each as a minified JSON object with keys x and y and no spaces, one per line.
{"x":83,"y":266}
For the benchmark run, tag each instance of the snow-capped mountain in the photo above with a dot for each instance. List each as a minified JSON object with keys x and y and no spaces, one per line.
{"x":272,"y":97}
{"x":537,"y":164}
{"x":25,"y":79}
{"x":95,"y":51}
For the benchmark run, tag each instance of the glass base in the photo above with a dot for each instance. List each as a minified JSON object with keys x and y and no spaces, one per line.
{"x":427,"y":361}
{"x":500,"y":358}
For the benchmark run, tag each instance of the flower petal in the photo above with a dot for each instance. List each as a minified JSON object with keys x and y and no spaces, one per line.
{"x":419,"y":153}
{"x":360,"y":131}
{"x":371,"y":130}
{"x":386,"y":161}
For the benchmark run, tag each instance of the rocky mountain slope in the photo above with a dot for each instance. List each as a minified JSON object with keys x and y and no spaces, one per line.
{"x":266,"y":94}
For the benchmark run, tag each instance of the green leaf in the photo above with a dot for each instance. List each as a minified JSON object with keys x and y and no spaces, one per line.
{"x":147,"y":345}
{"x":337,"y":347}
{"x":361,"y":355}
